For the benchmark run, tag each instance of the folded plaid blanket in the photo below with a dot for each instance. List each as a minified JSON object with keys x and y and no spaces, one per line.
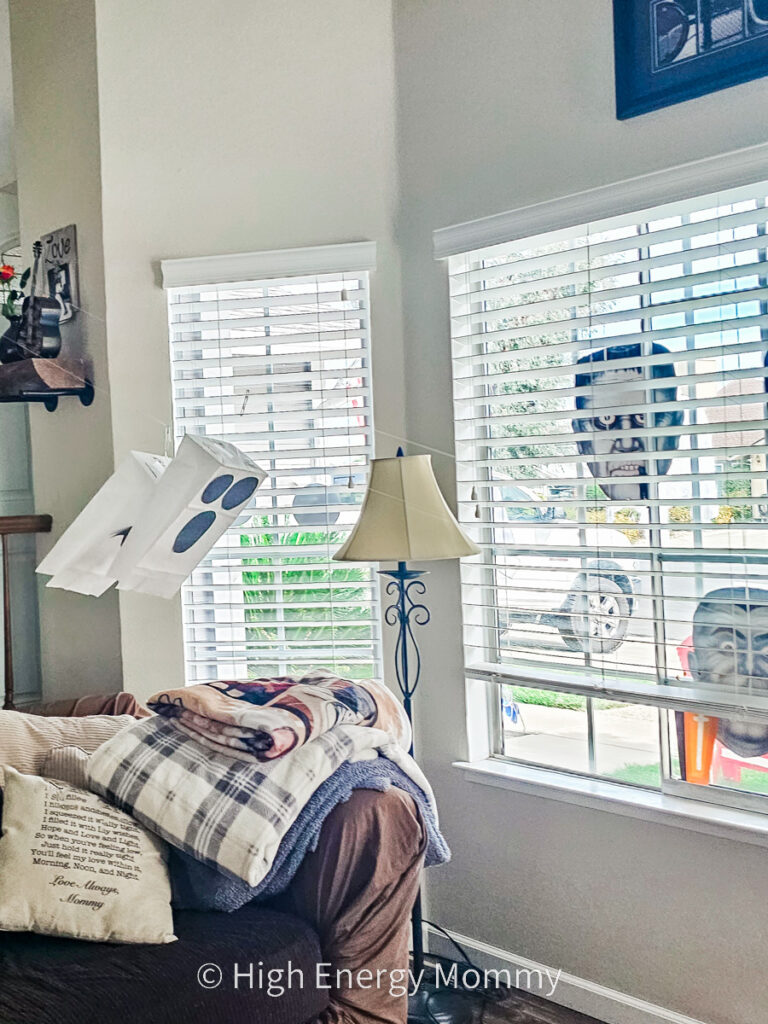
{"x":224,"y":811}
{"x":261,"y":719}
{"x":198,"y":887}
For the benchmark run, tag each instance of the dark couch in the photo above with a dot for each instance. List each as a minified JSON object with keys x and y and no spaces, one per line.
{"x":356,"y":890}
{"x":46,"y":980}
{"x":65,"y":981}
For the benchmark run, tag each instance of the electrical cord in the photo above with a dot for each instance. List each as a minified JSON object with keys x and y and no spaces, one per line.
{"x":465,"y":992}
{"x":456,"y":945}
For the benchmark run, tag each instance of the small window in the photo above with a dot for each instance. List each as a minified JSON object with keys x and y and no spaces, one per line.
{"x":281,"y":368}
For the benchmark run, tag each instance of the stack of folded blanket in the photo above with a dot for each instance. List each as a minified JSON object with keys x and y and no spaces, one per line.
{"x":239,"y":777}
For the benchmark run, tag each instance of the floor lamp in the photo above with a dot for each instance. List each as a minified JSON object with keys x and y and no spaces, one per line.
{"x":404,"y":517}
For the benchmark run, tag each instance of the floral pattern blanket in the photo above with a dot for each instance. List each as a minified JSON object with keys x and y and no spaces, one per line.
{"x":259,"y":720}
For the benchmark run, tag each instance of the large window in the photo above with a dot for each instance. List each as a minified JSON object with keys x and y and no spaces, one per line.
{"x":281,"y":368}
{"x":610,"y":416}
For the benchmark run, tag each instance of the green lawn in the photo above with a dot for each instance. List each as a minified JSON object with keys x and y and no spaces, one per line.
{"x":552,"y":699}
{"x":649,"y":775}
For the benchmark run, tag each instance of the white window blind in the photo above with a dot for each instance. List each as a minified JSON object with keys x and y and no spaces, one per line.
{"x":281,"y":368}
{"x":610,"y":418}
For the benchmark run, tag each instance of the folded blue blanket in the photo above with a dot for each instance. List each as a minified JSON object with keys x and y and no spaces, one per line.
{"x":199,"y":887}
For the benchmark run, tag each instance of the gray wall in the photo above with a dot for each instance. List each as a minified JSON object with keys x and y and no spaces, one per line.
{"x":15,"y":471}
{"x":502,"y":103}
{"x":15,"y":500}
{"x":7,"y":162}
{"x":267,"y":128}
{"x":58,"y":166}
{"x":181,"y":128}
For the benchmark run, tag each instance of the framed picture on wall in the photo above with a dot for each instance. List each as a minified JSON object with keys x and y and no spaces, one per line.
{"x":668,"y":51}
{"x":60,"y":254}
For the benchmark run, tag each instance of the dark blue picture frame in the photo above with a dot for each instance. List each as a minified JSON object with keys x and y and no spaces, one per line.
{"x":669,"y":51}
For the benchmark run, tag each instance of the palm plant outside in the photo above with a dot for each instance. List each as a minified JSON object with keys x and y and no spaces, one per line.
{"x":294,"y":599}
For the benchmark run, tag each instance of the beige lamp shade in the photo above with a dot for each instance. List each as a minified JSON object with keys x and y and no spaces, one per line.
{"x":405,"y":517}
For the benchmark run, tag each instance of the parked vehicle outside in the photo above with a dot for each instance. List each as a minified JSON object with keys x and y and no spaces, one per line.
{"x":589,"y":601}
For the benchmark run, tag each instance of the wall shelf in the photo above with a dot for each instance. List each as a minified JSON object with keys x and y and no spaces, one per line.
{"x":46,"y":381}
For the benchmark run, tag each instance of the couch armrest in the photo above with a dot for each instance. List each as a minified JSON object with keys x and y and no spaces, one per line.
{"x":120,"y":703}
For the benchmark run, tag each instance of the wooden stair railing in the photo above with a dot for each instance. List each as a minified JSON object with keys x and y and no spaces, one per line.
{"x":10,"y":525}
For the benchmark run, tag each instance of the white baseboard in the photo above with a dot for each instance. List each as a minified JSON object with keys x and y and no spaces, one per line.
{"x":606,"y":1004}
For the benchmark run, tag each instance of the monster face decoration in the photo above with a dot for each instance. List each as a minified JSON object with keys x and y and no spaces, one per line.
{"x":619,"y":456}
{"x":730,"y":650}
{"x":151,"y":538}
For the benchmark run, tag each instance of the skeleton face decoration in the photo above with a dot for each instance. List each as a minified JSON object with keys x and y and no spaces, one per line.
{"x":730,"y":649}
{"x":619,"y":455}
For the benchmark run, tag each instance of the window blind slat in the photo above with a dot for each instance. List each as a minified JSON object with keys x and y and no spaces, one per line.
{"x":187,"y":307}
{"x":708,"y":349}
{"x":599,"y":271}
{"x":297,"y":403}
{"x":522,"y":256}
{"x":466,"y":326}
{"x":291,"y":382}
{"x":474,"y":348}
{"x":204,"y":354}
{"x":739,"y":280}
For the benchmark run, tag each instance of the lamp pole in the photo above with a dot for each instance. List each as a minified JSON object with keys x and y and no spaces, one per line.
{"x":407,"y":611}
{"x":403,"y":516}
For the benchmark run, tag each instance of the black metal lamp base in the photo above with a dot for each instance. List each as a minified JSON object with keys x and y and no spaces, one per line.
{"x":431,"y":1005}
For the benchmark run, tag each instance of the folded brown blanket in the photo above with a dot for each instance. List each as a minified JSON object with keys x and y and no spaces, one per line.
{"x":120,"y":703}
{"x":262,"y":719}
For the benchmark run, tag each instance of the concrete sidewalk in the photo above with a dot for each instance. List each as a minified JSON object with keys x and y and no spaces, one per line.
{"x":558,"y":737}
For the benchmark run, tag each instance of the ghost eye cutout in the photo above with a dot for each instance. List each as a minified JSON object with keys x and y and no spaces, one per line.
{"x":216,"y":488}
{"x":240,"y":492}
{"x":192,"y":531}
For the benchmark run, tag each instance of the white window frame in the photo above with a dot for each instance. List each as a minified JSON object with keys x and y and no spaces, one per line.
{"x":711,"y":811}
{"x":355,"y":259}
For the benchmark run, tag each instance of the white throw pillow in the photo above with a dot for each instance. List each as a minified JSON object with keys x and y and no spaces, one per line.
{"x":26,"y":740}
{"x":67,"y":764}
{"x":72,"y":865}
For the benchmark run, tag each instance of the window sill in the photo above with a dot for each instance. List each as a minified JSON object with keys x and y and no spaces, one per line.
{"x":723,"y":822}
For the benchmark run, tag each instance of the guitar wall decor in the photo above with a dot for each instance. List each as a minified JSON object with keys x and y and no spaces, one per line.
{"x":35,"y":333}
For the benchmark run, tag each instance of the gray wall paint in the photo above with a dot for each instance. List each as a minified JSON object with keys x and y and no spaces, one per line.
{"x":9,"y":221}
{"x":503,"y":103}
{"x":58,"y":165}
{"x":15,"y":471}
{"x":269,"y":128}
{"x":7,"y":161}
{"x":15,"y":500}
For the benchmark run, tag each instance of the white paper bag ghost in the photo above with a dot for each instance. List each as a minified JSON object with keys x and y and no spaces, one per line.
{"x":82,"y":559}
{"x":155,"y":519}
{"x":198,"y":497}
